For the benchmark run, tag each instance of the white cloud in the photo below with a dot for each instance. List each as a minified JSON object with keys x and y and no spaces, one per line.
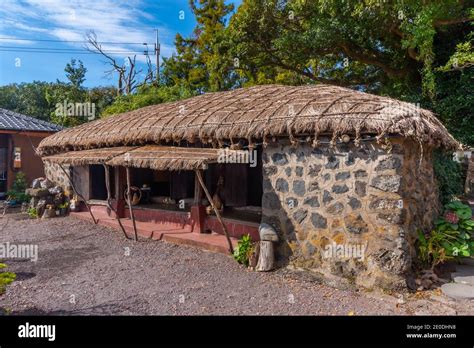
{"x":111,"y":20}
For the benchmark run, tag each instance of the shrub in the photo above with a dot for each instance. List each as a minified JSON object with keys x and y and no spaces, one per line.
{"x":452,"y":237}
{"x":19,"y":186}
{"x":5,"y":278}
{"x":243,"y":250}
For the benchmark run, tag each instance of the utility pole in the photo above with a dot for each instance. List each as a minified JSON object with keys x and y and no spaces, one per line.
{"x":157,"y":56}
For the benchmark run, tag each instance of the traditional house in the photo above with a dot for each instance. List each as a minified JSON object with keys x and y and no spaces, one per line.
{"x":344,"y":177}
{"x":19,"y":135}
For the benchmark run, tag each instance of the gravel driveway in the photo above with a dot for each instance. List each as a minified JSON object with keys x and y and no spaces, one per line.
{"x":86,"y":269}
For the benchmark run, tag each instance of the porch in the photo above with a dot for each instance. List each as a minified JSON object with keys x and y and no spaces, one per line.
{"x":168,"y":202}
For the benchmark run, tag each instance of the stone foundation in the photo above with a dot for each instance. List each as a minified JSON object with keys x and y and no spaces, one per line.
{"x":362,"y":204}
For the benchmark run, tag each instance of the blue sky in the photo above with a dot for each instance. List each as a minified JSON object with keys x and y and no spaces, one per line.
{"x":118,"y":22}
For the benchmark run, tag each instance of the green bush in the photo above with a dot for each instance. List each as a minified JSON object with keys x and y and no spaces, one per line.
{"x":450,"y":177}
{"x":5,"y":278}
{"x":452,"y":237}
{"x":17,"y":193}
{"x":243,"y":250}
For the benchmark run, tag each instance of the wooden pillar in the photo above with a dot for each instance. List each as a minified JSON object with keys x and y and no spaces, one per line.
{"x":129,"y":202}
{"x":218,"y":215}
{"x":120,"y":181}
{"x":109,"y":198}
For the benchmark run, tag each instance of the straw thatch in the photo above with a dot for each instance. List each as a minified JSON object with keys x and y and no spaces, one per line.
{"x":255,"y":113}
{"x":85,"y":157}
{"x":166,"y":158}
{"x":150,"y":156}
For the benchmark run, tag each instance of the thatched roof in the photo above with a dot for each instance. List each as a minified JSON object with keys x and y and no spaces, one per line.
{"x":150,"y":156}
{"x":255,"y":113}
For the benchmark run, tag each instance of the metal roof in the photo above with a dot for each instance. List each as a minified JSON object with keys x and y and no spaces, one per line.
{"x":14,"y":121}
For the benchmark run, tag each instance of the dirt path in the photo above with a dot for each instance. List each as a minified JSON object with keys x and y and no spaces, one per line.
{"x":86,"y":269}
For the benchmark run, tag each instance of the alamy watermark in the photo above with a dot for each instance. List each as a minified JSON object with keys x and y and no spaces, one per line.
{"x":345,"y":251}
{"x":67,"y":108}
{"x":19,"y":251}
{"x":238,"y":156}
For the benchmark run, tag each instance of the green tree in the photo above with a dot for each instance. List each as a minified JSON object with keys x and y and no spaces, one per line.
{"x":75,"y":73}
{"x":202,"y":62}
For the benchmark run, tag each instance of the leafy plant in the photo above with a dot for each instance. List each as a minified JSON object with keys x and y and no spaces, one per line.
{"x":243,"y":250}
{"x":63,"y":205}
{"x":452,"y":237}
{"x":17,"y":193}
{"x":33,"y":213}
{"x":5,"y":278}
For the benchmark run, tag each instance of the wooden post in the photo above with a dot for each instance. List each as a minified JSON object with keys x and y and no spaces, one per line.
{"x":197,"y":191}
{"x":107,"y":184}
{"x":129,"y":193}
{"x":218,"y":215}
{"x":78,"y":194}
{"x":266,"y":258}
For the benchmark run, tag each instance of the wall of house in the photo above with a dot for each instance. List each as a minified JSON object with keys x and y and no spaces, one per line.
{"x":31,"y":164}
{"x":362,"y":203}
{"x":55,"y":174}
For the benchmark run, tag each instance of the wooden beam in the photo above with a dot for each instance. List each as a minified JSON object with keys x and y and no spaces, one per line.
{"x":109,"y":198}
{"x":129,"y":193}
{"x":218,"y":215}
{"x":78,"y":194}
{"x":197,"y":191}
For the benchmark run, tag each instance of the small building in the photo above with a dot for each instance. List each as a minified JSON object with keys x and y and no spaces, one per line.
{"x":344,"y":177}
{"x":19,"y":136}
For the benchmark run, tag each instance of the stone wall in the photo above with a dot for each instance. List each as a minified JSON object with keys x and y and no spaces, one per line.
{"x":322,"y":199}
{"x":55,"y":174}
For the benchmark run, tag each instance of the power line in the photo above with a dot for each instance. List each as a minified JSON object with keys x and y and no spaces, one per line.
{"x":27,"y":49}
{"x":76,"y":41}
{"x":67,"y":52}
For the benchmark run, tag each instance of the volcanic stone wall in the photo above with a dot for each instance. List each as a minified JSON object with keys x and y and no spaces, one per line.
{"x":369,"y":197}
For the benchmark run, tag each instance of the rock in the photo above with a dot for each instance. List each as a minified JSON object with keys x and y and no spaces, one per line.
{"x":312,"y":201}
{"x":355,"y":223}
{"x":343,"y":176}
{"x":46,"y":184}
{"x":313,"y":186}
{"x":37,"y":183}
{"x":464,"y":280}
{"x":299,"y":171}
{"x":360,"y":188}
{"x":389,"y":163}
{"x":279,"y":158}
{"x":314,"y":170}
{"x":350,"y":159}
{"x":426,"y":283}
{"x":267,"y":233}
{"x":360,"y":173}
{"x":270,"y":170}
{"x":458,"y":291}
{"x":333,"y":162}
{"x":387,"y":183}
{"x":300,"y":215}
{"x":340,"y":188}
{"x":288,"y":171}
{"x":299,"y":187}
{"x":327,"y":197}
{"x":327,"y":177}
{"x":270,"y":200}
{"x":354,"y":203}
{"x":281,"y":185}
{"x":318,"y":220}
{"x":40,"y":192}
{"x":336,"y":208}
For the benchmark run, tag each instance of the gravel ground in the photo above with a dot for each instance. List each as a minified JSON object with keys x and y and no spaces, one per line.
{"x":92,"y":270}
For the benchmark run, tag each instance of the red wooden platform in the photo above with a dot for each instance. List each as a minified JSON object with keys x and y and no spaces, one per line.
{"x":172,"y":228}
